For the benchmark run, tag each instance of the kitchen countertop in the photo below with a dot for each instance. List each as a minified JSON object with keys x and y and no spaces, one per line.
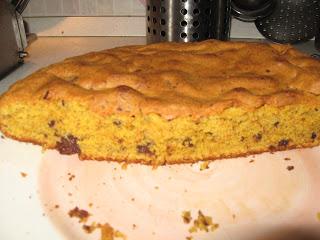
{"x":48,"y":50}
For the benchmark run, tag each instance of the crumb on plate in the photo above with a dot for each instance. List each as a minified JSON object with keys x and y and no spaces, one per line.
{"x":81,"y":214}
{"x":290,"y":168}
{"x":204,"y":165}
{"x":186,"y":216}
{"x":203,"y":223}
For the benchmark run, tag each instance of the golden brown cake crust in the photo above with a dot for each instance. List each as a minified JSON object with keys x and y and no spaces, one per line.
{"x":173,"y":80}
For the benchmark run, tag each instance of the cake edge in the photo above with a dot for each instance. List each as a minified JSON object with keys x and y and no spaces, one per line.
{"x":83,"y":157}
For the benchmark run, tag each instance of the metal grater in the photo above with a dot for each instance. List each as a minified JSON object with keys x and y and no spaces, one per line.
{"x":187,"y":20}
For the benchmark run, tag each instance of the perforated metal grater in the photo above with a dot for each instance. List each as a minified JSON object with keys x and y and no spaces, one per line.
{"x":187,"y":20}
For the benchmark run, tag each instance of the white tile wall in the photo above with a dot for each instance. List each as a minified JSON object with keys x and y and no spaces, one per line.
{"x":39,"y":8}
{"x":100,"y":18}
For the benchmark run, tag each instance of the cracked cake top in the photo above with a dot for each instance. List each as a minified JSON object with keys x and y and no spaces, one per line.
{"x":177,"y":79}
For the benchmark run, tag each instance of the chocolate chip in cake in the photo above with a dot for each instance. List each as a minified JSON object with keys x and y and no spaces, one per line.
{"x":276,"y":124}
{"x":257,"y":137}
{"x":52,"y":123}
{"x":210,"y":136}
{"x":68,"y":145}
{"x":187,"y":142}
{"x":46,"y":95}
{"x":117,"y":122}
{"x":63,"y":103}
{"x":169,"y":150}
{"x":145,"y":149}
{"x":313,"y":135}
{"x":123,"y":88}
{"x":283,"y":143}
{"x":272,"y":148}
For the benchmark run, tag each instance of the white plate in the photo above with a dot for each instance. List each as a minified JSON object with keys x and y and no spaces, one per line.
{"x":246,"y":198}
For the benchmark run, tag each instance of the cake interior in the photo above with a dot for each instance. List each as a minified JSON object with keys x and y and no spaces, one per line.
{"x":72,"y":128}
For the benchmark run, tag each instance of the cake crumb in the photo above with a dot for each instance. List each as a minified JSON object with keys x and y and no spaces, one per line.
{"x":287,"y":159}
{"x":186,"y":216}
{"x":23,"y":174}
{"x":81,"y":214}
{"x":156,"y":187}
{"x":71,"y":176}
{"x":107,"y":232}
{"x":134,"y":226}
{"x":290,"y":168}
{"x":133,"y":199}
{"x":233,"y":216}
{"x":251,"y":161}
{"x":204,"y":165}
{"x":203,"y":223}
{"x":56,"y":206}
{"x":2,"y":137}
{"x":189,"y":238}
{"x":124,"y":166}
{"x":89,"y":228}
{"x":90,"y":204}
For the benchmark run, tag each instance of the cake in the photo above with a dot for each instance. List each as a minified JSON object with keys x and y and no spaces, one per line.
{"x":169,"y":103}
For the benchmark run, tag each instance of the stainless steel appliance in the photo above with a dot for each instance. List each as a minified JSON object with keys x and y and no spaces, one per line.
{"x":187,"y":20}
{"x":13,"y":39}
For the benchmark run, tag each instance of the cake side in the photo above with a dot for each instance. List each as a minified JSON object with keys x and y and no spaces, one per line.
{"x":151,"y":139}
